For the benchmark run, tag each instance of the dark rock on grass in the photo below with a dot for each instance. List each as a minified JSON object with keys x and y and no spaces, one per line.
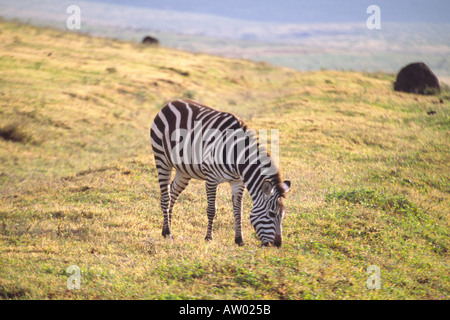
{"x":417,"y":78}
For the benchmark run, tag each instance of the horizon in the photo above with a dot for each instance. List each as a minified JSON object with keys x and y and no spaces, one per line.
{"x":296,"y":34}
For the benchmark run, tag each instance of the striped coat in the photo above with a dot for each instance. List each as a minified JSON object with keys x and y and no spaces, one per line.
{"x":203,"y":143}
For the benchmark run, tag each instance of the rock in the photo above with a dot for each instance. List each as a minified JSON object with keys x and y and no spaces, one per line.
{"x":417,"y":78}
{"x":150,"y":40}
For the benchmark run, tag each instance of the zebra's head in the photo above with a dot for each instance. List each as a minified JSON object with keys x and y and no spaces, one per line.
{"x":269,"y":213}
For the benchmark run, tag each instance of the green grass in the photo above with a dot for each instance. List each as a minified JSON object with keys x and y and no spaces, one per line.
{"x":369,"y":169}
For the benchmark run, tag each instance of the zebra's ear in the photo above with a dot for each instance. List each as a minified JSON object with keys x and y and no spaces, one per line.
{"x":286,"y":185}
{"x":267,"y":187}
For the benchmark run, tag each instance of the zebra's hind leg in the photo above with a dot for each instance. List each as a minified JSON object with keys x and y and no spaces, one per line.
{"x":211,"y":190}
{"x":178,"y":184}
{"x":237,"y":189}
{"x":164,"y":175}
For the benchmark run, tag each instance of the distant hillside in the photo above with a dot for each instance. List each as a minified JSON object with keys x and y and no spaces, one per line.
{"x":296,"y":34}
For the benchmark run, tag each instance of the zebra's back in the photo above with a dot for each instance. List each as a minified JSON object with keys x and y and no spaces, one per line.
{"x":184,"y":134}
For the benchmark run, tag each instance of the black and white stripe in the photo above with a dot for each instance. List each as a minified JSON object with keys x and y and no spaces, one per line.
{"x":203,"y":143}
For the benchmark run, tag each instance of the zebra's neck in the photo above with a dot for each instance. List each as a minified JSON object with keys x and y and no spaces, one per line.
{"x":254,"y":175}
{"x":255,"y":165}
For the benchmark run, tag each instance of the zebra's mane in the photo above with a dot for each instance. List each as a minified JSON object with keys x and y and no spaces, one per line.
{"x":275,"y":178}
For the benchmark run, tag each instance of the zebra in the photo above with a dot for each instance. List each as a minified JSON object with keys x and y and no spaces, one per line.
{"x":211,"y":154}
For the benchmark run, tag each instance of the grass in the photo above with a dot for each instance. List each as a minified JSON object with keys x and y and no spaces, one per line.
{"x":369,"y":169}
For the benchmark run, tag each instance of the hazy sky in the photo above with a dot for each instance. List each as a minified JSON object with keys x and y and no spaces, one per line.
{"x":306,"y":11}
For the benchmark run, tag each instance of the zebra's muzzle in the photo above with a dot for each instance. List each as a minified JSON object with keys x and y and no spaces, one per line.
{"x":277,"y":242}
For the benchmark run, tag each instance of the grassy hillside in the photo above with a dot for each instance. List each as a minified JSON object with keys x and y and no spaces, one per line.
{"x":369,"y":169}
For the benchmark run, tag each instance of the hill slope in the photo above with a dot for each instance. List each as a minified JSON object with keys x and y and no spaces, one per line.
{"x":369,"y":170}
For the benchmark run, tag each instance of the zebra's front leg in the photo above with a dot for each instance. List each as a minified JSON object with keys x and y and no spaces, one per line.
{"x":211,"y":190}
{"x":237,"y":189}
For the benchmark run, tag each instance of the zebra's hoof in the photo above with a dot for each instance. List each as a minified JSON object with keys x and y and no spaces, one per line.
{"x":208,"y":238}
{"x":239,"y":241}
{"x":166,"y":234}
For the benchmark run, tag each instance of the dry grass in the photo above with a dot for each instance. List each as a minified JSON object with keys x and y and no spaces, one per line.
{"x":369,"y":170}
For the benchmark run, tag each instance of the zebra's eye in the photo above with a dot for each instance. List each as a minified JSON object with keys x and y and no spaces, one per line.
{"x":271,"y":214}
